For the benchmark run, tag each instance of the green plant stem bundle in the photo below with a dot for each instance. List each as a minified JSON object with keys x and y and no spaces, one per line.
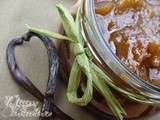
{"x":83,"y":64}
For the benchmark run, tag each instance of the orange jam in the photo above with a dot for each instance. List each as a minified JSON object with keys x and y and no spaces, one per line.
{"x":132,"y":30}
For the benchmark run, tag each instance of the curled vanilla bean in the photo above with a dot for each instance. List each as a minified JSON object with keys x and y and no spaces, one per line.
{"x":49,"y":109}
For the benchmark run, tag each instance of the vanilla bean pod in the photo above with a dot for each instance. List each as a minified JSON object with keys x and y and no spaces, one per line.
{"x":49,"y":109}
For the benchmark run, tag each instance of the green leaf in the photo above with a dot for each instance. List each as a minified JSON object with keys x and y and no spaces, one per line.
{"x":77,"y":20}
{"x":68,"y":23}
{"x":48,"y":33}
{"x":73,"y":84}
{"x":74,"y":80}
{"x":83,"y":63}
{"x":78,"y":24}
{"x":111,"y":101}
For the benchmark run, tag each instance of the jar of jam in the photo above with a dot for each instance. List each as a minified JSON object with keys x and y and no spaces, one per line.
{"x":124,"y":39}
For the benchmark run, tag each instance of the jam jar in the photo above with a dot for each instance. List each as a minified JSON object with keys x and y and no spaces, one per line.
{"x":100,"y":21}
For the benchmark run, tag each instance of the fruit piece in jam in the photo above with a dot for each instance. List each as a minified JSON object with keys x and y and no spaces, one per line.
{"x":132,"y":28}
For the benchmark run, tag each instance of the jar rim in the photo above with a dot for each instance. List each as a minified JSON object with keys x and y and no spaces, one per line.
{"x":111,"y":60}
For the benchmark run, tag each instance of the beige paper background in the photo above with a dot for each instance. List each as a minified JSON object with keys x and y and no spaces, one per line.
{"x":32,"y":57}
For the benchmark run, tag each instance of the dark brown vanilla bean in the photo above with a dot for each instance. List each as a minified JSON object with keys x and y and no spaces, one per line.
{"x":49,"y":109}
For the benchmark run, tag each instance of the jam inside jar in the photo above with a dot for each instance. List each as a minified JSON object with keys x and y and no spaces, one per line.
{"x":132,"y":31}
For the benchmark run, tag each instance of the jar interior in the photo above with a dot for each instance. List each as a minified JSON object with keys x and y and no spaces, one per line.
{"x":131,"y":30}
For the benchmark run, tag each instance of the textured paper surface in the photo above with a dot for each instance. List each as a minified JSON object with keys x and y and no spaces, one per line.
{"x":32,"y":57}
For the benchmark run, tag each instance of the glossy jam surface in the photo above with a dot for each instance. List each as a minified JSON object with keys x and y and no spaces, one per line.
{"x":132,"y":30}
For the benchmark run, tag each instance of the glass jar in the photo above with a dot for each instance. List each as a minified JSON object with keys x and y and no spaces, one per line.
{"x":113,"y":67}
{"x":107,"y":59}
